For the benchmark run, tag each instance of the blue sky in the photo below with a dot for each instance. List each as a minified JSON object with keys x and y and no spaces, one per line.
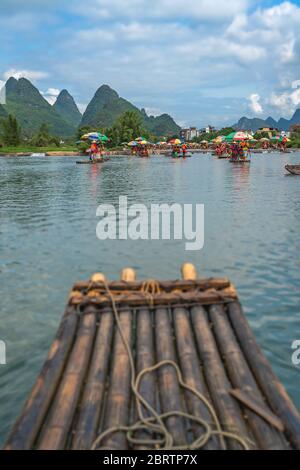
{"x":203,"y":61}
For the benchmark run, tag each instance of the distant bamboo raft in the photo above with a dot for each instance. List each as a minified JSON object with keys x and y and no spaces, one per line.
{"x":85,"y":389}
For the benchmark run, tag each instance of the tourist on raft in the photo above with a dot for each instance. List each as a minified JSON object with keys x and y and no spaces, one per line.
{"x":176,"y":151}
{"x":94,"y":150}
{"x":143,"y":152}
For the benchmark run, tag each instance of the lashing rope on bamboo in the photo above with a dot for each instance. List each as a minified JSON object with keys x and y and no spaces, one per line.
{"x":149,"y":289}
{"x":155,"y":424}
{"x":151,"y":292}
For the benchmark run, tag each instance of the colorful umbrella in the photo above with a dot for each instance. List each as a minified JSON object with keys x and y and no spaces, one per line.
{"x":133,"y":144}
{"x":175,"y":142}
{"x":91,"y":136}
{"x":230,"y":137}
{"x":219,"y":139}
{"x":95,"y":136}
{"x":280,"y":138}
{"x":240,"y":135}
{"x":140,"y":139}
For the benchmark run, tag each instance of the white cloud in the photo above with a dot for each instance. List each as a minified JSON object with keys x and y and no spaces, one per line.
{"x":286,"y":102}
{"x":51,"y":94}
{"x":153,"y":111}
{"x":254,"y":104}
{"x":82,"y":107}
{"x":29,"y":74}
{"x":2,"y":92}
{"x":287,"y":51}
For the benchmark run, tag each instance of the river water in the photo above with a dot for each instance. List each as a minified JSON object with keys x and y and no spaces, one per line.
{"x":48,"y":241}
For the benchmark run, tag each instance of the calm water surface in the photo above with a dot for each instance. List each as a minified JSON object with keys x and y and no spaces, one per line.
{"x":48,"y":241}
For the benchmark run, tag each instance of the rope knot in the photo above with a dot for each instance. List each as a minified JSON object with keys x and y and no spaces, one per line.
{"x":149,"y":289}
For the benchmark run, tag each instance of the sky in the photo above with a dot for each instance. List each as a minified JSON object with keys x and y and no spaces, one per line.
{"x":202,"y":61}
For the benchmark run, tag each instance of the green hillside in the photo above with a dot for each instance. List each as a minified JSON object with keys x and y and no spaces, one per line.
{"x":106,"y":106}
{"x":25,"y":102}
{"x":3,"y":113}
{"x":66,"y":107}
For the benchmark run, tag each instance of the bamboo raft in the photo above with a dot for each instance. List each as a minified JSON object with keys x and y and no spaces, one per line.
{"x":94,"y":162}
{"x":293,"y":169}
{"x":85,"y":385}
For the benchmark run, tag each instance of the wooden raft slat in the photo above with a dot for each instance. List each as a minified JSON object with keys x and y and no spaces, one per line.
{"x":85,"y":385}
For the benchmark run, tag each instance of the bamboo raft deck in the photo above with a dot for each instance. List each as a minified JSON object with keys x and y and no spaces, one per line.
{"x":293,"y":169}
{"x":85,"y":388}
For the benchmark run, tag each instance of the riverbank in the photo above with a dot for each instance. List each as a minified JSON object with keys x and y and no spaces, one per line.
{"x":119,"y":152}
{"x":60,"y":153}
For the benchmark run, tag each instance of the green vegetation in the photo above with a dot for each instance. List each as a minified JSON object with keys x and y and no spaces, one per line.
{"x":11,"y":131}
{"x":295,"y":137}
{"x":43,"y":138}
{"x":264,"y":135}
{"x":11,"y":140}
{"x":212,"y":135}
{"x":30,"y":149}
{"x":3,"y":113}
{"x":126,"y":128}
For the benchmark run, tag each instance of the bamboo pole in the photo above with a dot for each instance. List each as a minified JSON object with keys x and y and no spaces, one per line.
{"x":128,"y":275}
{"x":241,"y":377}
{"x":138,"y":299}
{"x":228,"y":410}
{"x":202,"y":284}
{"x":144,"y":359}
{"x":58,"y":425}
{"x":118,"y":395}
{"x":93,"y":396}
{"x":262,"y":411}
{"x":98,"y":277}
{"x":26,"y":429}
{"x":192,"y":373}
{"x":189,"y":272}
{"x":169,"y":390}
{"x":273,"y":390}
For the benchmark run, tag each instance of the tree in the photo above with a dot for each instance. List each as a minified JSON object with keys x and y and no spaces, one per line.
{"x":127,"y":127}
{"x":43,"y":138}
{"x":295,"y":136}
{"x":11,"y":134}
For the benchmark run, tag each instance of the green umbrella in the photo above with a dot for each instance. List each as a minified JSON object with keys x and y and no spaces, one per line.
{"x":103,"y":138}
{"x":230,"y":137}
